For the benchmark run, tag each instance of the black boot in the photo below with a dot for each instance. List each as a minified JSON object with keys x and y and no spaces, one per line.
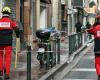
{"x":7,"y":77}
{"x":1,"y":78}
{"x":98,"y":77}
{"x":1,"y":75}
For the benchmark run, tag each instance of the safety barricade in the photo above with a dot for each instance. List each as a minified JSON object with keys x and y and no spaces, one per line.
{"x":78,"y":40}
{"x":51,"y":55}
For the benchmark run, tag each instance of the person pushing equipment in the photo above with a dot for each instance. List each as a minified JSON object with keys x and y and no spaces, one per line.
{"x":7,"y":25}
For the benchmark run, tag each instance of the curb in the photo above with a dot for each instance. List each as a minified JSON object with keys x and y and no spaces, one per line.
{"x":58,"y":67}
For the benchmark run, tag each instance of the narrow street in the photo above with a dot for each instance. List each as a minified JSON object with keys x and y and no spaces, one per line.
{"x":85,"y":69}
{"x":53,"y":39}
{"x":81,"y":68}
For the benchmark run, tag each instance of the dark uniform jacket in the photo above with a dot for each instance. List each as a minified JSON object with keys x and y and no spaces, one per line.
{"x":7,"y":25}
{"x":78,"y":26}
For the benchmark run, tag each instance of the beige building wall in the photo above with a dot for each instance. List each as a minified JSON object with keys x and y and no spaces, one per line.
{"x":27,"y":28}
{"x":49,"y":15}
{"x":55,"y":13}
{"x":17,"y":9}
{"x":43,"y":15}
{"x":38,"y":14}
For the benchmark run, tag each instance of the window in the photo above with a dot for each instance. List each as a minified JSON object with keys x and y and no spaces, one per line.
{"x":46,"y":1}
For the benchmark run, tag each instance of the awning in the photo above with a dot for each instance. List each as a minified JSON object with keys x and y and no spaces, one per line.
{"x":46,"y":1}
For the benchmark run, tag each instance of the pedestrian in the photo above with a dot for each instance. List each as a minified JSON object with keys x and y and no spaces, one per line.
{"x":97,"y":21}
{"x":88,"y":25}
{"x":7,"y":25}
{"x":95,"y":30}
{"x":78,"y":26}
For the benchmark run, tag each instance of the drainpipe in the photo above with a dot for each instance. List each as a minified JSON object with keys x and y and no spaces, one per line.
{"x":69,"y":16}
{"x":55,"y":14}
{"x":69,"y":10}
{"x":73,"y":21}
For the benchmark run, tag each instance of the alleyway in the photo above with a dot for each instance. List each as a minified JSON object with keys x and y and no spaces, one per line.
{"x":85,"y":69}
{"x":72,"y":59}
{"x":81,"y":68}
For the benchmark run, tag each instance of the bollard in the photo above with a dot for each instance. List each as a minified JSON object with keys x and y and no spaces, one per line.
{"x":48,"y":55}
{"x":54,"y":49}
{"x":29,"y":62}
{"x":70,"y":44}
{"x":58,"y":50}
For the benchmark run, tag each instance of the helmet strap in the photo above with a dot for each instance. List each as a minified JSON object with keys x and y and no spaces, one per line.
{"x":5,"y":15}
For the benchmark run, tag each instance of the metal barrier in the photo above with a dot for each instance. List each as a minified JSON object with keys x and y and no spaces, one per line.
{"x":58,"y":50}
{"x":55,"y":47}
{"x":77,"y":40}
{"x":51,"y":56}
{"x":29,"y":62}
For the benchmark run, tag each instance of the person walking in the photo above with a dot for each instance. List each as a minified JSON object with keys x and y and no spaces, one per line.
{"x":95,"y":30}
{"x":88,"y":25}
{"x":97,"y":21}
{"x":7,"y":25}
{"x":78,"y":26}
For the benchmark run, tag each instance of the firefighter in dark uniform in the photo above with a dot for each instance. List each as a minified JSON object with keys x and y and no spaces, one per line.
{"x":95,"y":30}
{"x":7,"y":25}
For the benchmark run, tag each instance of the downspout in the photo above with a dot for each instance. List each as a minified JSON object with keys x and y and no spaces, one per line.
{"x":69,"y":10}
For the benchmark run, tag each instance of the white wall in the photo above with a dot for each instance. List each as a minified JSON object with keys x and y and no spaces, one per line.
{"x":43,"y":18}
{"x":0,"y":8}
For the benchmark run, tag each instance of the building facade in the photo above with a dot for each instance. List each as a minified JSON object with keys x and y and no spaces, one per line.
{"x":36,"y":14}
{"x":1,"y":3}
{"x":43,"y":14}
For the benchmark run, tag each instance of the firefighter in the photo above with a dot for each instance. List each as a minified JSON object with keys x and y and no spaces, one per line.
{"x":7,"y":25}
{"x":95,"y":30}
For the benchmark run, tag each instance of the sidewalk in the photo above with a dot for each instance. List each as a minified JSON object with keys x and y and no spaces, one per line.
{"x":83,"y":65}
{"x":58,"y":68}
{"x":20,"y":73}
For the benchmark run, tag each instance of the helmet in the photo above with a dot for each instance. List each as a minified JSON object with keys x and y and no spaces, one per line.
{"x":6,"y":10}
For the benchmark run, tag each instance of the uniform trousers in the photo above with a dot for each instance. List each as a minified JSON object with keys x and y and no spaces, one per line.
{"x":5,"y":58}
